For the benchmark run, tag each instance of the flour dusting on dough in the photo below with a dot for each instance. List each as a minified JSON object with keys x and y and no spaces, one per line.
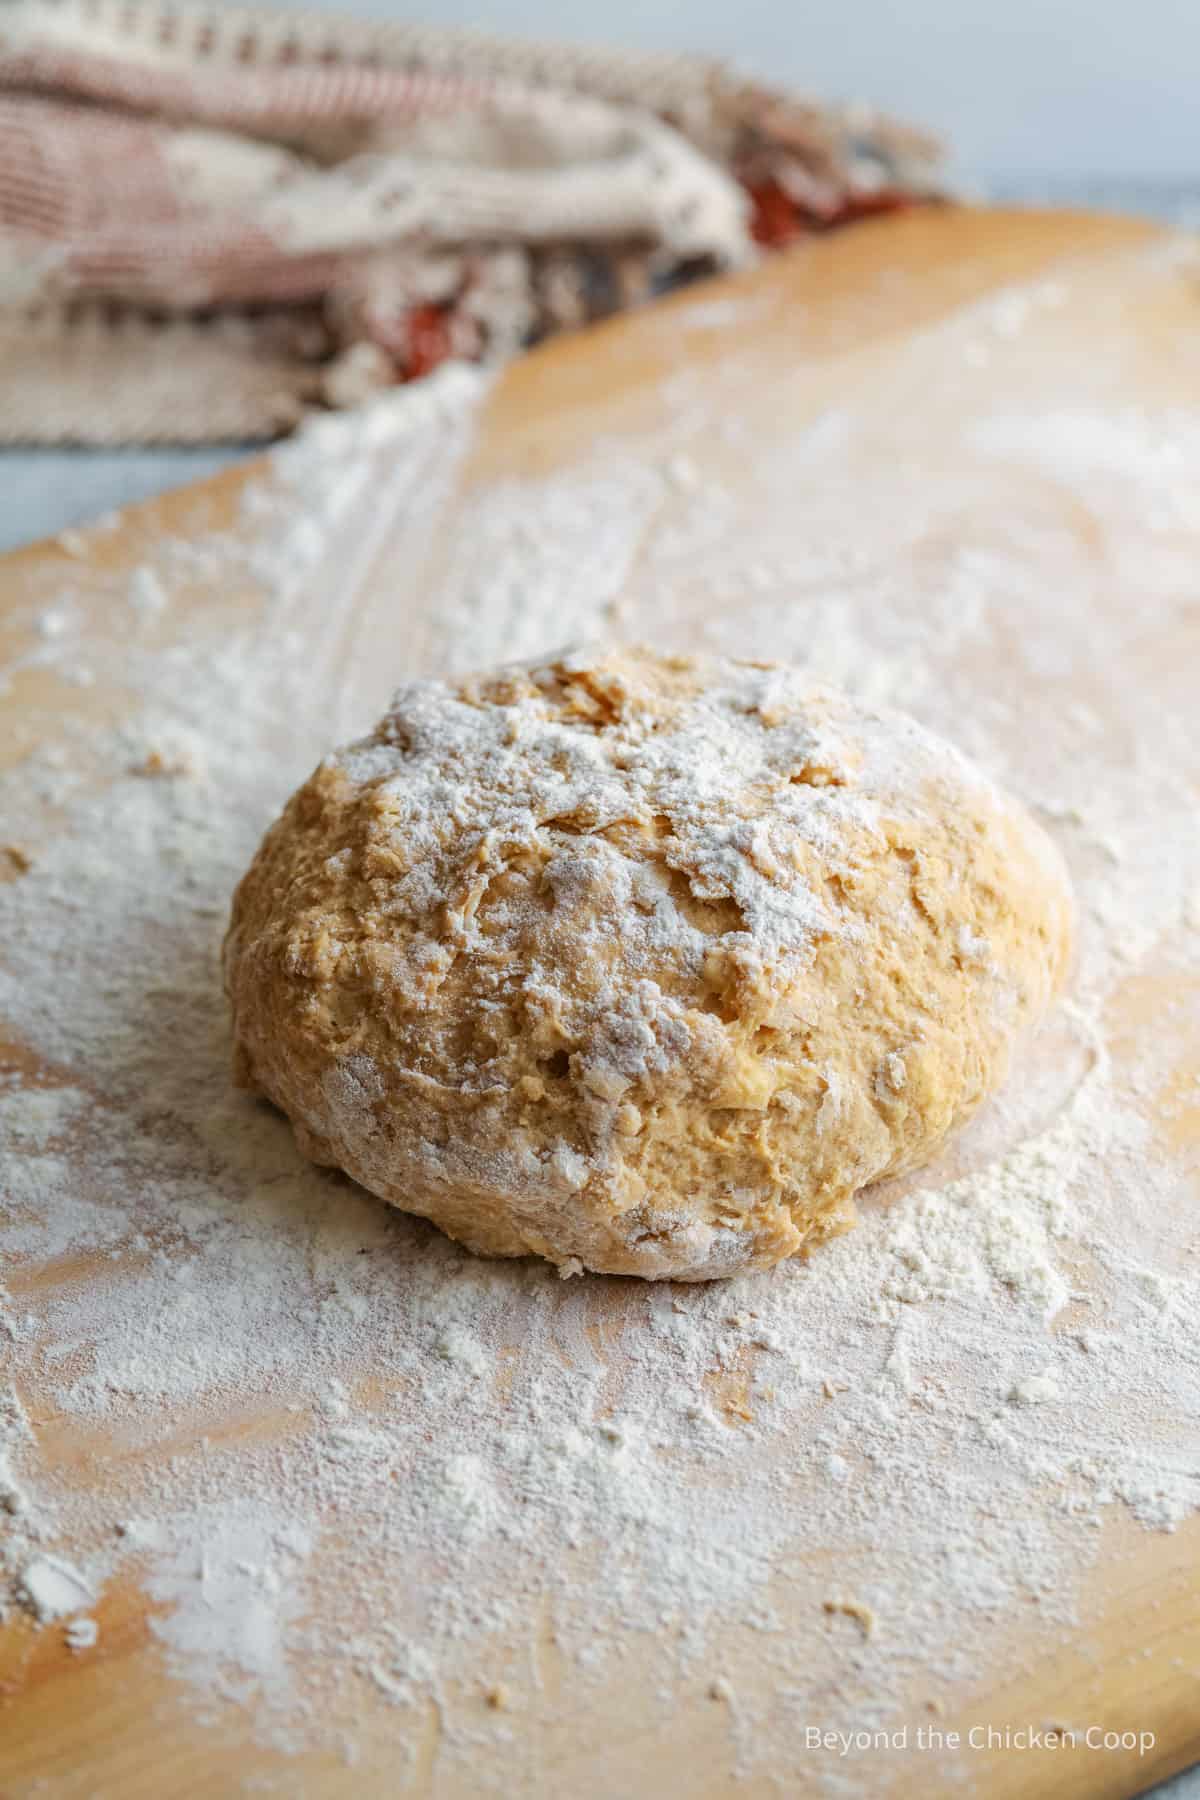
{"x":571,"y":957}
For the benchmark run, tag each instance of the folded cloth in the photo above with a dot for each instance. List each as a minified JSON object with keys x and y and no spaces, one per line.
{"x":213,"y":218}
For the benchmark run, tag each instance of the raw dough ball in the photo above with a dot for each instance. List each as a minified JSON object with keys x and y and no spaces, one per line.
{"x":641,"y":963}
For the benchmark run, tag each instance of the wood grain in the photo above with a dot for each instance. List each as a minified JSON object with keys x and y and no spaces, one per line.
{"x":805,"y":328}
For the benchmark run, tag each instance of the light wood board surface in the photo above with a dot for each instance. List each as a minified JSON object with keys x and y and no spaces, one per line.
{"x":795,"y":346}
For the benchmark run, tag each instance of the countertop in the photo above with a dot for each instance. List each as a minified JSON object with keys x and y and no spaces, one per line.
{"x":46,"y":491}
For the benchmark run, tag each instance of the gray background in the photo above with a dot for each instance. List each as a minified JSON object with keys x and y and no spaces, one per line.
{"x":1077,"y":101}
{"x":1021,"y":87}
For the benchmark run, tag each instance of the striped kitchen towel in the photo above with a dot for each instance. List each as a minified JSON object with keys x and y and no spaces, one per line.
{"x":213,"y":218}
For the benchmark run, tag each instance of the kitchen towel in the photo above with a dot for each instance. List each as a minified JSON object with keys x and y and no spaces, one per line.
{"x":213,"y":219}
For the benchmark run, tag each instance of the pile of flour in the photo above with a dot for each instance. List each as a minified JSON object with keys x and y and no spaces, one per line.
{"x":342,"y":1457}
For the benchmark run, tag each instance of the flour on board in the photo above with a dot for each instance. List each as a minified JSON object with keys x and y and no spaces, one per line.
{"x":466,"y":1471}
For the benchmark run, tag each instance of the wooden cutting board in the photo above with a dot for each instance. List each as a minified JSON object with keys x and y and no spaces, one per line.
{"x":827,"y":330}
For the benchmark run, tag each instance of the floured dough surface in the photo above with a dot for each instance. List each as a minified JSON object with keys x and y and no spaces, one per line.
{"x":640,"y":963}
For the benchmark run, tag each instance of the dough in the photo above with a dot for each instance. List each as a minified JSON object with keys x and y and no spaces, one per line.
{"x":640,"y":963}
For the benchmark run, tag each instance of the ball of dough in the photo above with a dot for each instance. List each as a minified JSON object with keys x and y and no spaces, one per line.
{"x":640,"y":963}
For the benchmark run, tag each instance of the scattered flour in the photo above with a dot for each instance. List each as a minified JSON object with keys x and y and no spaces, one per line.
{"x":51,"y":1588}
{"x":82,"y":1634}
{"x":361,"y":1470}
